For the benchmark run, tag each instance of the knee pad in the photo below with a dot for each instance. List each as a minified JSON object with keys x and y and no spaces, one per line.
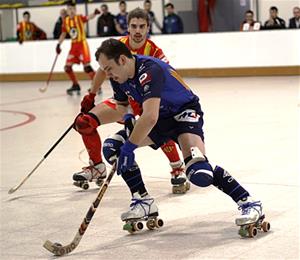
{"x":112,"y":145}
{"x":86,"y":124}
{"x":198,"y":169}
{"x":88,"y":69}
{"x":68,"y":69}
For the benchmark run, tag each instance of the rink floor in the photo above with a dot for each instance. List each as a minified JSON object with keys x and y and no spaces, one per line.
{"x":251,"y":129}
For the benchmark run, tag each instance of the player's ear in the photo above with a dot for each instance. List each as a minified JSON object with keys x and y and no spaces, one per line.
{"x":122,"y":60}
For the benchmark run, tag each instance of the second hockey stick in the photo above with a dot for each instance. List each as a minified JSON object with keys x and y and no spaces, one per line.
{"x":50,"y":75}
{"x":12,"y":190}
{"x":59,"y":250}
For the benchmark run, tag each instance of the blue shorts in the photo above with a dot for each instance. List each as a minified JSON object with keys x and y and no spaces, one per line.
{"x":188,"y":120}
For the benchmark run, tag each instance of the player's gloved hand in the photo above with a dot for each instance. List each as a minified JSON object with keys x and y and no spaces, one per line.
{"x":126,"y":158}
{"x":88,"y":102}
{"x":20,"y":40}
{"x":129,"y":122}
{"x":58,"y":49}
{"x":96,"y":11}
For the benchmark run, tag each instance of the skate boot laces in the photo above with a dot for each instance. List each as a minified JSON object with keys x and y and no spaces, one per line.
{"x":248,"y":206}
{"x":93,"y":173}
{"x":143,"y":203}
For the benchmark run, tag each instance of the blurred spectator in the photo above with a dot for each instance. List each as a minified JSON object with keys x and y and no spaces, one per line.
{"x":106,"y":23}
{"x":274,"y":21}
{"x":28,"y":31}
{"x":249,"y":24}
{"x":121,"y":19}
{"x":172,"y":22}
{"x":152,"y":18}
{"x":295,"y":21}
{"x":59,"y":23}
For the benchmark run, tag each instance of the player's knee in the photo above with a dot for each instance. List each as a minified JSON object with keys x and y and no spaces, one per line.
{"x":112,"y":145}
{"x":86,"y":124}
{"x":88,"y":69}
{"x":198,"y":170}
{"x":68,"y":69}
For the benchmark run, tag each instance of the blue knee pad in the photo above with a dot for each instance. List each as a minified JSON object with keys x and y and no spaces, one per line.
{"x":112,"y":145}
{"x":200,"y":173}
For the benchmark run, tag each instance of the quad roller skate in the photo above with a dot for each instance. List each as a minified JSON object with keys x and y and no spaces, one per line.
{"x":92,"y":173}
{"x":252,"y":219}
{"x":179,"y":181}
{"x":75,"y":89}
{"x":142,"y":209}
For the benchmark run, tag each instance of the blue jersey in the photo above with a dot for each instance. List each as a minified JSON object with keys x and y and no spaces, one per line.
{"x":154,"y":78}
{"x":122,"y":21}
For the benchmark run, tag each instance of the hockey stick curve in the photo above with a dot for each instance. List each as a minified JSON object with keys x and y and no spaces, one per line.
{"x":50,"y":75}
{"x":59,"y":250}
{"x":12,"y":190}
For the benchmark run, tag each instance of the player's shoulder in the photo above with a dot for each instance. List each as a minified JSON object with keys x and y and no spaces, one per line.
{"x":148,"y":68}
{"x":153,"y":45}
{"x":124,"y":39}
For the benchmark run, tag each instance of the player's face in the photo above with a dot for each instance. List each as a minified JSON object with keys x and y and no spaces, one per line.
{"x":296,"y":12}
{"x":116,"y":72}
{"x":273,"y":14}
{"x":138,"y":29}
{"x":122,"y":8}
{"x":71,"y":10}
{"x":26,"y":18}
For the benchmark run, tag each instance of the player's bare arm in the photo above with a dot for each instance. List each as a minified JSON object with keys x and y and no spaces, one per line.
{"x":62,"y":37}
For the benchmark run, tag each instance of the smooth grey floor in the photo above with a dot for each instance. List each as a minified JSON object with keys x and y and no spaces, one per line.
{"x":251,"y":129}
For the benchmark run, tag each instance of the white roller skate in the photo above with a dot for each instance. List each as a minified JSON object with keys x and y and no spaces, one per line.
{"x":178,"y":180}
{"x":92,"y":173}
{"x":141,"y":209}
{"x":252,"y":218}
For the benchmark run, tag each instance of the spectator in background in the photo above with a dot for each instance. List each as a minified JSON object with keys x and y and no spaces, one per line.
{"x":172,"y":22}
{"x":106,"y":23}
{"x":274,"y":21}
{"x":28,"y":31}
{"x":249,"y":24}
{"x":152,"y":18}
{"x":121,"y":19}
{"x":295,"y":21}
{"x":59,"y":23}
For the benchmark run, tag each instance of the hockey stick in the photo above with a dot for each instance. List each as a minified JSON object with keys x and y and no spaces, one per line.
{"x":50,"y":75}
{"x":12,"y":190}
{"x":56,"y":248}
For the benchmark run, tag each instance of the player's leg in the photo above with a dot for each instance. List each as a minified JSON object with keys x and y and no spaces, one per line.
{"x":86,"y":59}
{"x":86,"y":125}
{"x":178,"y":179}
{"x":201,"y":173}
{"x":71,"y":59}
{"x":142,"y":205}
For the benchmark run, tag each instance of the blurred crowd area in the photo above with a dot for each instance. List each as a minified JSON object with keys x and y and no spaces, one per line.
{"x":204,"y":16}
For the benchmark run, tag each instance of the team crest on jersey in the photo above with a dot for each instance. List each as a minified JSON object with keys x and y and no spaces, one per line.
{"x":188,"y":115}
{"x":73,"y":33}
{"x":144,"y":78}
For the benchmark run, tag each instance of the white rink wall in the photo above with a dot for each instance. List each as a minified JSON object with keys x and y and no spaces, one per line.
{"x":187,"y":51}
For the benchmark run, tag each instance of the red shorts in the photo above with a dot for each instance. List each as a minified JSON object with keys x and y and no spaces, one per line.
{"x":134,"y":105}
{"x":79,"y":53}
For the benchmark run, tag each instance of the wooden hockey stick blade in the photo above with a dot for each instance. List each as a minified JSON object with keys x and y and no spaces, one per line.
{"x":60,"y":250}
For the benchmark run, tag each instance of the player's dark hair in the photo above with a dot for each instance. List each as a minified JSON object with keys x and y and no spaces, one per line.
{"x":26,"y":13}
{"x":274,"y":8}
{"x":105,"y":6}
{"x":147,"y":2}
{"x":169,"y":5}
{"x":113,"y":49}
{"x":122,"y":3}
{"x":138,"y":13}
{"x":71,"y":3}
{"x":249,"y":12}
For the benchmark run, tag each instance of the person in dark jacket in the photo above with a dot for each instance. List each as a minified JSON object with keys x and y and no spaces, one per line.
{"x":172,"y":22}
{"x":106,"y":24}
{"x":295,"y":21}
{"x":274,"y":21}
{"x":58,"y":24}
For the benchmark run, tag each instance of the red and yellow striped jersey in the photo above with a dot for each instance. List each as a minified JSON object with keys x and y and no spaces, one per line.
{"x":26,"y":31}
{"x":148,"y":49}
{"x":75,"y":27}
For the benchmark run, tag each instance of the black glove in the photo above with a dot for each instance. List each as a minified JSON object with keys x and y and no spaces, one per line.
{"x":58,"y":49}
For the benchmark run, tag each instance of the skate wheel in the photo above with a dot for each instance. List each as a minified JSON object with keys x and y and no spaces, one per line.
{"x":85,"y":186}
{"x":138,"y":226}
{"x":187,"y":186}
{"x":266,"y":226}
{"x":243,"y":232}
{"x":99,"y":182}
{"x":57,"y":244}
{"x":128,"y":227}
{"x":252,"y":231}
{"x":150,"y":224}
{"x":179,"y":189}
{"x":159,"y":223}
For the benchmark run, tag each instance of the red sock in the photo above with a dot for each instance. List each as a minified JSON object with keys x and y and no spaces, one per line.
{"x":91,"y":74}
{"x":170,"y":151}
{"x":72,"y":77}
{"x":93,"y":145}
